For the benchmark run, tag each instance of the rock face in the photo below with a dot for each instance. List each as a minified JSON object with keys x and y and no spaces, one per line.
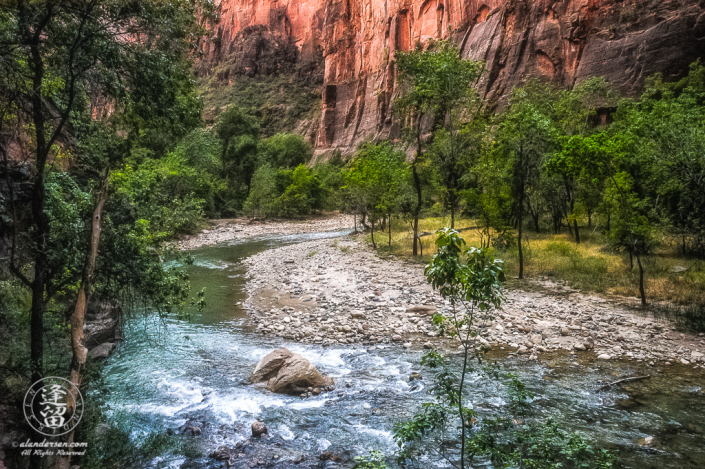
{"x":563,"y":41}
{"x":288,"y":373}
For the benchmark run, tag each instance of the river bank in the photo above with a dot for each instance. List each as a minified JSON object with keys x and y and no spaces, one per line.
{"x":223,"y":230}
{"x":197,"y":376}
{"x":340,"y":292}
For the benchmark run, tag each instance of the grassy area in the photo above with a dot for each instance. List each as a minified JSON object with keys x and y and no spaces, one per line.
{"x":590,"y":266}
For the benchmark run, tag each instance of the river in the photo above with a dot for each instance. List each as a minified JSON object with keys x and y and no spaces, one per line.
{"x":169,"y":373}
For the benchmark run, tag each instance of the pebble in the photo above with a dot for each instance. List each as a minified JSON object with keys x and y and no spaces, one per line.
{"x":357,"y":297}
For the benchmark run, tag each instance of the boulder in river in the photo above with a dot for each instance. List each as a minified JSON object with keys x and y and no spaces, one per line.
{"x":268,"y":366}
{"x":288,"y":373}
{"x":259,"y":429}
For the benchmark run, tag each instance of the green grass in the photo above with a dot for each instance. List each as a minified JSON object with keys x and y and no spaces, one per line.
{"x":590,"y":266}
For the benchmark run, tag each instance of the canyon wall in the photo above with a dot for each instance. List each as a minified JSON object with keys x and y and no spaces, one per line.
{"x":354,"y":42}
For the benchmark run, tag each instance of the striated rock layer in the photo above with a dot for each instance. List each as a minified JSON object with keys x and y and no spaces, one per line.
{"x":564,"y":41}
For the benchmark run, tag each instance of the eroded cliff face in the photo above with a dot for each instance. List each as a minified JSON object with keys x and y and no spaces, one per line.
{"x":353,"y":43}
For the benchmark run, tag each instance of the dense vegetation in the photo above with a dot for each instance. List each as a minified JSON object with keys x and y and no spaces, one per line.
{"x":103,"y":143}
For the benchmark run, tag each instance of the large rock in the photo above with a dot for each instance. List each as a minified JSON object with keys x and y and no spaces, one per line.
{"x":102,"y":351}
{"x":288,"y":373}
{"x":268,"y":366}
{"x":259,"y":429}
{"x":101,"y":323}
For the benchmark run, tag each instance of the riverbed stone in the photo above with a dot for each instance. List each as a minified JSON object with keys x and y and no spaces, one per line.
{"x":259,"y":429}
{"x":102,"y":351}
{"x":269,"y":365}
{"x":295,"y":375}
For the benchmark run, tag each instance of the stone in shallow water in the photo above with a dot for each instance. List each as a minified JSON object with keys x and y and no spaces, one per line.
{"x":604,"y":356}
{"x":259,"y":429}
{"x":288,"y":373}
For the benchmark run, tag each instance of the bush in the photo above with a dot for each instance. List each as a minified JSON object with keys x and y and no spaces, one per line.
{"x":285,"y":151}
{"x":304,"y":195}
{"x":263,"y":193}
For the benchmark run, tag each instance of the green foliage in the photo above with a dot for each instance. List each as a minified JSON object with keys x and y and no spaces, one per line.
{"x":168,"y":194}
{"x":263,"y":194}
{"x":475,"y":283}
{"x":473,"y":289}
{"x":285,"y":193}
{"x":437,"y":78}
{"x":375,"y":460}
{"x":374,"y":181}
{"x":512,"y":437}
{"x":285,"y":151}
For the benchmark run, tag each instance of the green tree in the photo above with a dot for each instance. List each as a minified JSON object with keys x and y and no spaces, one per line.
{"x":305,"y":194}
{"x":263,"y":194}
{"x":239,"y":134}
{"x":71,"y":82}
{"x":285,"y":151}
{"x":374,"y":181}
{"x":474,"y":292}
{"x":666,"y":156}
{"x":631,"y":230}
{"x":436,"y":84}
{"x":525,"y":137}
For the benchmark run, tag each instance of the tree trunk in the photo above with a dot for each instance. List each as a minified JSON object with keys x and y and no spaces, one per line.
{"x":460,"y":406}
{"x":521,"y":231}
{"x":521,"y":249}
{"x":641,"y":281}
{"x":372,"y":231}
{"x":390,"y":230}
{"x":80,"y":352}
{"x":452,"y":217}
{"x":631,"y":261}
{"x":417,"y":185}
{"x":577,"y":231}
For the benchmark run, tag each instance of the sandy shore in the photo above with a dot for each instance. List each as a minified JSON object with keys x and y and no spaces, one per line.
{"x":339,"y":291}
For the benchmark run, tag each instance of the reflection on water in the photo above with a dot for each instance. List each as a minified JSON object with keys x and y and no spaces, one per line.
{"x":200,"y":374}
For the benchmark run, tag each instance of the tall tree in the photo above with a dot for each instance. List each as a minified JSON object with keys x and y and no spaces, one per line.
{"x":436,"y":84}
{"x":65,"y":62}
{"x":525,"y":137}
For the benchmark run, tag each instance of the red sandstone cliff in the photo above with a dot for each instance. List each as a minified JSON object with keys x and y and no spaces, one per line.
{"x":565,"y":41}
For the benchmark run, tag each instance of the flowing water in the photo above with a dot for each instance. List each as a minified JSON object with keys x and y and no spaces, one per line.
{"x":168,"y":374}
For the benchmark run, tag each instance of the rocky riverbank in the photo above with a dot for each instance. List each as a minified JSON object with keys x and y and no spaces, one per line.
{"x":340,"y":291}
{"x":241,"y":228}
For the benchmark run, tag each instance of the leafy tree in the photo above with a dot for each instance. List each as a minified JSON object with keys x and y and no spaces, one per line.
{"x":73,"y":84}
{"x":451,"y":429}
{"x":525,"y":137}
{"x":374,"y":180}
{"x":665,"y":159}
{"x":263,"y":194}
{"x":436,"y":83}
{"x":473,"y":290}
{"x":581,"y":176}
{"x":238,"y":133}
{"x":304,"y":195}
{"x":285,"y":151}
{"x":631,"y":230}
